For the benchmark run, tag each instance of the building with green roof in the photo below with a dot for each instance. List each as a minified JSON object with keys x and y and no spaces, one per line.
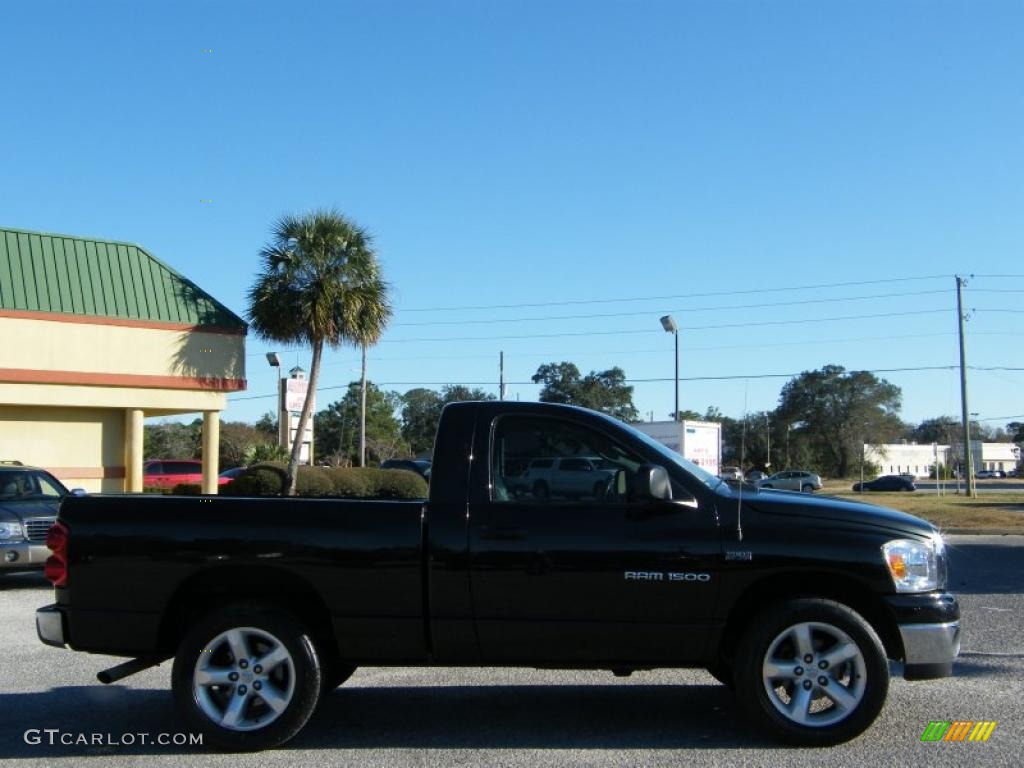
{"x":95,"y":335}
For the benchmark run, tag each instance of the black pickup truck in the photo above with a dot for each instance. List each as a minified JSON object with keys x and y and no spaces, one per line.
{"x":795,"y":601}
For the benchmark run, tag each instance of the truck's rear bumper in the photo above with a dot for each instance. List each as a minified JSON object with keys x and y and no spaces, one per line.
{"x":108,"y":632}
{"x":50,"y":626}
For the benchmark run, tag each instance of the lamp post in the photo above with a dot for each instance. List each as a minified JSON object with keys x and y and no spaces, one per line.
{"x":274,"y":360}
{"x":669,"y":324}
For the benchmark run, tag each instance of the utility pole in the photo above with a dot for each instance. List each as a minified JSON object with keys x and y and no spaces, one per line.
{"x":768,"y":432}
{"x":501,"y":375}
{"x":964,"y":409}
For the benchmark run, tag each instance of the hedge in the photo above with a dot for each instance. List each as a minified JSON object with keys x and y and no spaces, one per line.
{"x":268,"y":478}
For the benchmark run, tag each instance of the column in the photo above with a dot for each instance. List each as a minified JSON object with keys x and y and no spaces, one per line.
{"x":133,"y":434}
{"x":211,"y":450}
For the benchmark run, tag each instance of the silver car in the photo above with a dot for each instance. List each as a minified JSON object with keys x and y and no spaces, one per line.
{"x":569,"y":477}
{"x":792,"y":480}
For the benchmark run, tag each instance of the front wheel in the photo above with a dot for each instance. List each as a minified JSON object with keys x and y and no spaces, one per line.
{"x":247,"y":677}
{"x":811,"y":672}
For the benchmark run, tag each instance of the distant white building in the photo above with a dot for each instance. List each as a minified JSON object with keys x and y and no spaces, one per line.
{"x":919,"y":460}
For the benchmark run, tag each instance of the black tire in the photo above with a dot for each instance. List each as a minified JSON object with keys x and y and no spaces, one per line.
{"x":766,"y":485}
{"x":540,"y":490}
{"x":335,"y":675}
{"x":807,"y":488}
{"x":862,"y":680}
{"x":294,"y":682}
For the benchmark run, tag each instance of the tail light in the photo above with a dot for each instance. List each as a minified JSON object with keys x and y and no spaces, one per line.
{"x":56,"y":569}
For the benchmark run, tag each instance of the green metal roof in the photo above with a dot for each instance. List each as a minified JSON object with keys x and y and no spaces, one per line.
{"x":41,"y":272}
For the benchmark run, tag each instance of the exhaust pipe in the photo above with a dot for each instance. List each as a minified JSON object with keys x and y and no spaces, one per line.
{"x":121,"y":671}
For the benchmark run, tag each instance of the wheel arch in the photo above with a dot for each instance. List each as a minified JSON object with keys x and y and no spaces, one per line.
{"x":212,"y":588}
{"x":812,"y":584}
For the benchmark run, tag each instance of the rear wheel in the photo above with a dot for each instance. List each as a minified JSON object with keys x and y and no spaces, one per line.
{"x":247,"y":677}
{"x":807,"y":488}
{"x":540,"y":490}
{"x":811,"y":672}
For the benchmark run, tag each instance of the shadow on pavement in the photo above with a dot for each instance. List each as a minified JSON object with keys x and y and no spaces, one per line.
{"x":445,"y":717}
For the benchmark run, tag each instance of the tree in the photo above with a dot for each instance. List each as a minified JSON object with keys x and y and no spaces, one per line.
{"x":604,"y":391}
{"x":1015,"y":429}
{"x":238,"y":441}
{"x":319,"y":283}
{"x":946,"y":430}
{"x":267,"y":424}
{"x":421,"y":412}
{"x":171,"y":440}
{"x":336,"y":427}
{"x":837,"y":411}
{"x":421,"y":409}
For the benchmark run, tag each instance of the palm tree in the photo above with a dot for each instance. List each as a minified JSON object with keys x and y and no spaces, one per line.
{"x":319,"y":283}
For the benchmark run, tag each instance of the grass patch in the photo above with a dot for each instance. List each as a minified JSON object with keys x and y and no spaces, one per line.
{"x":988,"y":510}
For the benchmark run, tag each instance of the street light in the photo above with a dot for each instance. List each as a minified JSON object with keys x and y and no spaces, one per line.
{"x":669,"y":324}
{"x":275,"y":362}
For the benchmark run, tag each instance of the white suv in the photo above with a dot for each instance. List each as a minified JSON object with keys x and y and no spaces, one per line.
{"x":570,"y":477}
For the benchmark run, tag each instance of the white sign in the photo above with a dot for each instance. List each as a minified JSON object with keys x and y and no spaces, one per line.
{"x":295,"y":395}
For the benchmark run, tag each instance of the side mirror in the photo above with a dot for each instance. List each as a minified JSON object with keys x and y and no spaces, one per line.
{"x":79,"y":492}
{"x":652,"y":482}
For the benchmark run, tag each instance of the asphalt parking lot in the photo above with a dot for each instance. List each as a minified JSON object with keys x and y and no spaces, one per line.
{"x":507,"y":717}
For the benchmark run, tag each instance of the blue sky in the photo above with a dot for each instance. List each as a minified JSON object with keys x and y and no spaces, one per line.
{"x":610,"y":160}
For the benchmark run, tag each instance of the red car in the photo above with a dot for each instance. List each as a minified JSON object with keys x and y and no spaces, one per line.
{"x":167,"y":473}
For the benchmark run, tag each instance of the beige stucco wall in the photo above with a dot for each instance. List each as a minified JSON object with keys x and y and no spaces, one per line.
{"x":64,"y":346}
{"x":78,"y":445}
{"x":155,"y":402}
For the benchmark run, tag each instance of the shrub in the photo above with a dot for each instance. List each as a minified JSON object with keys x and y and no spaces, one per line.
{"x":268,"y":479}
{"x":265,"y":479}
{"x":314,"y":482}
{"x":349,"y":482}
{"x":187,"y":489}
{"x":400,"y":484}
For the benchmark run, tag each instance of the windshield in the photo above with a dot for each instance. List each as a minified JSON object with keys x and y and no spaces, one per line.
{"x":672,"y":458}
{"x":29,"y":484}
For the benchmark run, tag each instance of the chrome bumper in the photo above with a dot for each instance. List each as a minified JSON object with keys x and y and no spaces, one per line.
{"x":929,"y":649}
{"x":20,"y":555}
{"x":50,"y":626}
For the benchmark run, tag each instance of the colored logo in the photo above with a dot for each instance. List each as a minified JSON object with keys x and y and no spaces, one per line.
{"x":958,"y":730}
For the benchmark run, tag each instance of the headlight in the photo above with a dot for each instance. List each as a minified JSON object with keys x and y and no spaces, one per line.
{"x":11,"y":531}
{"x":916,"y":566}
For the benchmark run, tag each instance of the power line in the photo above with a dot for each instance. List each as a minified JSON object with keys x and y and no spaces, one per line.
{"x":658,"y":380}
{"x":681,"y":310}
{"x":716,"y":326}
{"x":702,"y":294}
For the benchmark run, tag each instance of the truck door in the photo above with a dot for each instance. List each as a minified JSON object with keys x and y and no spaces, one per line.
{"x":584,"y":572}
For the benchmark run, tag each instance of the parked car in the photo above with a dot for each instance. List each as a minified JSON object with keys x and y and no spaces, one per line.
{"x":29,"y":498}
{"x":566,"y":477}
{"x":797,"y":602}
{"x":755,"y":476}
{"x":167,"y":473}
{"x":793,"y":480}
{"x":989,"y":474}
{"x":887,"y":483}
{"x":228,"y":475}
{"x":420,"y":466}
{"x":731,"y":473}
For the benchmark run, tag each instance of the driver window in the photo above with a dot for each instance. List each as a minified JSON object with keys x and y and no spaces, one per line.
{"x":537,"y":459}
